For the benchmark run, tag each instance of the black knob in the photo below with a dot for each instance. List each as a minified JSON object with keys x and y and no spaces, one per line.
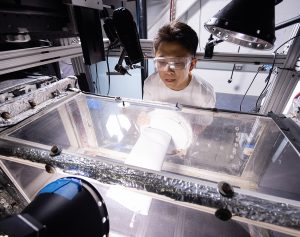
{"x":225,"y":189}
{"x":223,"y":214}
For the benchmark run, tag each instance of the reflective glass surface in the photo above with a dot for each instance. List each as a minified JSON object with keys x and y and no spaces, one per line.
{"x":248,"y":151}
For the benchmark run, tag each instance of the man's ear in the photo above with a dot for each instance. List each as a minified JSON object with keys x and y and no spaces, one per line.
{"x":193,"y":64}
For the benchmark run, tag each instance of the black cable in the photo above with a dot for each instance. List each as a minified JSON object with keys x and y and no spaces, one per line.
{"x":263,"y":92}
{"x":108,"y":71}
{"x":230,"y":79}
{"x":233,"y":68}
{"x":97,"y":80}
{"x":267,"y":80}
{"x":270,"y":72}
{"x":259,"y":68}
{"x":268,"y":85}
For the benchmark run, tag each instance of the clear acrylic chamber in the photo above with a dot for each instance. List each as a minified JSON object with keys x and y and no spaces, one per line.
{"x":198,"y":148}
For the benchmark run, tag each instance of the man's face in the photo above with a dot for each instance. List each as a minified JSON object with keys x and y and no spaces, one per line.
{"x":175,"y":70}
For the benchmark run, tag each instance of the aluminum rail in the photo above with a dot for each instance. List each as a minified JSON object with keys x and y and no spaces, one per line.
{"x":15,"y":60}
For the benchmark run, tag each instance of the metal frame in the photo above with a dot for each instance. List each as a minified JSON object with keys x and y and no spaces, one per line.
{"x":15,"y":60}
{"x":189,"y":192}
{"x":256,"y":59}
{"x":286,"y":80}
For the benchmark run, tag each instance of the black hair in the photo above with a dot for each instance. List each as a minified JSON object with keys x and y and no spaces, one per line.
{"x":179,"y":32}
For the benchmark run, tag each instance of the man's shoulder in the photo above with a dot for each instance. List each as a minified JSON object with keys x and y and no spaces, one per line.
{"x":153,"y":79}
{"x":202,"y":84}
{"x":151,"y":87}
{"x":206,"y":92}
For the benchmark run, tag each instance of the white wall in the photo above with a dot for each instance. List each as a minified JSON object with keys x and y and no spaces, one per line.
{"x":240,"y":81}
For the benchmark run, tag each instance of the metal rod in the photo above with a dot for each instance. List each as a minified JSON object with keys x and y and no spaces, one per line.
{"x":142,"y":25}
{"x":287,"y":23}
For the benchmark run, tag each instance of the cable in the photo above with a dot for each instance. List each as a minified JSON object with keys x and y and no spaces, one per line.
{"x":108,"y":71}
{"x":233,"y":68}
{"x":265,"y":88}
{"x":97,"y":80}
{"x":270,"y":72}
{"x":230,"y":79}
{"x":267,"y":80}
{"x":259,"y":68}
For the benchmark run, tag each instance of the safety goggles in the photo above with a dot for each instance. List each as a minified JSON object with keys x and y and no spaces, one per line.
{"x":175,"y":63}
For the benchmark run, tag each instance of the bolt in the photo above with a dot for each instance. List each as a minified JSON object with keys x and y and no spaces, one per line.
{"x":225,"y":189}
{"x":5,"y":115}
{"x":49,"y":169}
{"x":55,"y":150}
{"x":32,"y":103}
{"x":223,"y":214}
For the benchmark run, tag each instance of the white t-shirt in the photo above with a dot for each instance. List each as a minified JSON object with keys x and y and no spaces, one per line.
{"x":197,"y":93}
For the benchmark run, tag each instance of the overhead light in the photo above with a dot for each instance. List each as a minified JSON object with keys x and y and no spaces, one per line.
{"x":249,"y":23}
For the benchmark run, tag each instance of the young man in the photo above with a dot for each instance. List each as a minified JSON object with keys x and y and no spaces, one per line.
{"x":175,"y":48}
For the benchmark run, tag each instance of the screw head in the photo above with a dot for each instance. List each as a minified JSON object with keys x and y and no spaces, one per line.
{"x":32,"y":103}
{"x":5,"y":115}
{"x":223,"y":214}
{"x":49,"y":169}
{"x":225,"y":189}
{"x":55,"y":150}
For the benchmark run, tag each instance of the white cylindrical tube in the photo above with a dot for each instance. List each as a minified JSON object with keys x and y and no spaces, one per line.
{"x":150,"y":149}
